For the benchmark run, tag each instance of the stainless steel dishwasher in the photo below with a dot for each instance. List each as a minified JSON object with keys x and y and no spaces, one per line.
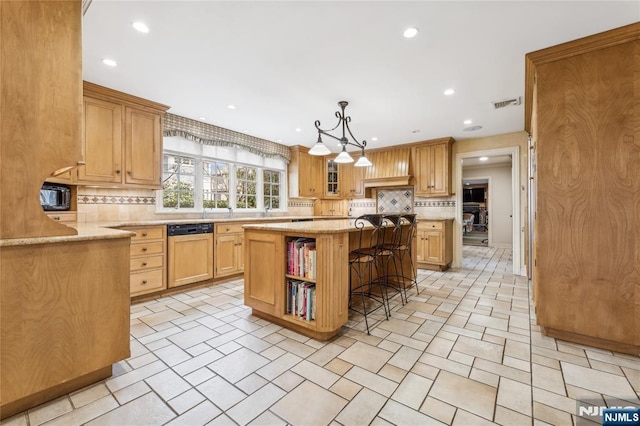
{"x":190,"y":253}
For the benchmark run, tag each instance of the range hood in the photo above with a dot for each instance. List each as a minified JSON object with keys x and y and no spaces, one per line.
{"x":391,"y":168}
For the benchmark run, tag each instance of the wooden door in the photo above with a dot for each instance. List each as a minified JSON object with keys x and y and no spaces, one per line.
{"x":102,"y":144}
{"x":143,"y":147}
{"x":422,"y":169}
{"x":433,"y":248}
{"x":240,"y":252}
{"x":351,"y":181}
{"x":420,"y":245}
{"x":190,"y":259}
{"x":305,"y":184}
{"x":226,"y":255}
{"x":264,"y":274}
{"x":332,"y":178}
{"x":439,"y":164}
{"x":316,"y":175}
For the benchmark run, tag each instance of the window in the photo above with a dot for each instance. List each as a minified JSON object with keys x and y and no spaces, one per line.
{"x":246,"y":187}
{"x":215,"y":182}
{"x":178,"y":182}
{"x":271,"y":181}
{"x":198,"y":176}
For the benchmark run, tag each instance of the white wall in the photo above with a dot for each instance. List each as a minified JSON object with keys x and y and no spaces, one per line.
{"x":500,"y":201}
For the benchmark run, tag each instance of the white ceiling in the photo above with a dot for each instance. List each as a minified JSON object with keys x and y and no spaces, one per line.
{"x":286,"y":64}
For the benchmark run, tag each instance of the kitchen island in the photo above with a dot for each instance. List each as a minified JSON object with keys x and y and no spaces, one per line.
{"x":268,"y":273}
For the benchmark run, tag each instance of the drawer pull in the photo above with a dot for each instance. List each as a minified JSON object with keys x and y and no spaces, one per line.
{"x":227,"y":229}
{"x":144,"y":234}
{"x":56,"y":218}
{"x":144,"y":249}
{"x":144,"y":263}
{"x":144,"y":282}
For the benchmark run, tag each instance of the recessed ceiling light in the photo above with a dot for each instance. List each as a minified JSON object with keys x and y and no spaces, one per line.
{"x":140,"y":26}
{"x":467,"y":183}
{"x":468,"y":121}
{"x":449,"y":92}
{"x":472,"y":128}
{"x":109,"y":62}
{"x":202,"y":118}
{"x":298,"y":129}
{"x":410,"y":32}
{"x":415,"y":131}
{"x":231,"y":106}
{"x":374,"y":139}
{"x":483,"y":158}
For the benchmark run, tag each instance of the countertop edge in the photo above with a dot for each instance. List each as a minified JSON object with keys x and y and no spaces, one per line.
{"x":85,"y":233}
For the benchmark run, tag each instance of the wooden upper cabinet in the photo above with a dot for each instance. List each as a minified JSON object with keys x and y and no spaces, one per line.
{"x":351,"y":181}
{"x":143,"y":147}
{"x":432,"y":169}
{"x":122,"y":143}
{"x":332,"y":178}
{"x":306,"y":173}
{"x":102,"y":147}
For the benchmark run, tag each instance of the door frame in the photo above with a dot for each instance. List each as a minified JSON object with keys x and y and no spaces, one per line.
{"x":489,"y":208}
{"x":514,"y":151}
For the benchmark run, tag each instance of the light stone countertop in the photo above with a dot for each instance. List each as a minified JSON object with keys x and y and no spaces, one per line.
{"x":86,"y":232}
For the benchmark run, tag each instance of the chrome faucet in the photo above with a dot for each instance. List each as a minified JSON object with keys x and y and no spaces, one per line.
{"x":266,"y":211}
{"x":230,"y":212}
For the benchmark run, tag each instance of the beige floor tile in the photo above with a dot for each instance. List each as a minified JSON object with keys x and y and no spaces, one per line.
{"x":278,"y":366}
{"x":461,"y":358}
{"x":405,"y":358}
{"x":267,"y":419}
{"x":89,"y":394}
{"x":192,"y":336}
{"x":325,"y":354}
{"x":160,"y":317}
{"x":489,"y":321}
{"x":425,"y":370}
{"x":199,"y":376}
{"x":621,"y":360}
{"x":315,"y":373}
{"x":633,"y":375}
{"x":548,"y":379}
{"x":256,"y":404}
{"x":597,"y":381}
{"x":517,"y":363}
{"x":134,"y":376}
{"x":172,"y":354}
{"x":267,"y":330}
{"x":186,"y":401}
{"x":168,"y":384}
{"x":467,"y":394}
{"x":545,"y":361}
{"x":484,"y":377}
{"x":338,"y":366}
{"x":251,"y":383}
{"x":148,"y":409}
{"x":198,"y":349}
{"x":412,"y":391}
{"x":273,"y":352}
{"x":372,"y":381}
{"x":507,"y":417}
{"x":326,"y":405}
{"x":362,"y":409}
{"x":464,"y":418}
{"x":397,"y":326}
{"x":50,"y":410}
{"x":288,"y":381}
{"x":229,"y":347}
{"x":440,"y":347}
{"x":226,"y":336}
{"x":438,"y":410}
{"x":503,"y":370}
{"x":201,"y":414}
{"x":561,"y":356}
{"x":446,"y":364}
{"x":295,"y":347}
{"x":550,"y":415}
{"x":221,"y":393}
{"x":398,"y":414}
{"x":392,"y":373}
{"x":197,"y":362}
{"x":606,"y":367}
{"x":345,"y":388}
{"x":366,"y":356}
{"x":515,"y":396}
{"x":478,"y":348}
{"x":238,"y":364}
{"x":86,"y":412}
{"x":554,"y":400}
{"x":407,"y":341}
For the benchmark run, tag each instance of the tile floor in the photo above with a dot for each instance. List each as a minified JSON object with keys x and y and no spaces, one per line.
{"x":463,"y":352}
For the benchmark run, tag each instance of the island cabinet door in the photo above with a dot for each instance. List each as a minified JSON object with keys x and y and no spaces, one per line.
{"x":264,"y":272}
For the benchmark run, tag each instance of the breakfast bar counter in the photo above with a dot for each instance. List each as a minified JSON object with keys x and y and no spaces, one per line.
{"x":270,"y":270}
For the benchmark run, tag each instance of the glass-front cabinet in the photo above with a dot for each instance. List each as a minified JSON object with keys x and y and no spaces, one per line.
{"x":331,"y":186}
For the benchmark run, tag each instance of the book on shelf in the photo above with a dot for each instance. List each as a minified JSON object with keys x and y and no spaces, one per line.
{"x":301,"y":256}
{"x":301,"y":299}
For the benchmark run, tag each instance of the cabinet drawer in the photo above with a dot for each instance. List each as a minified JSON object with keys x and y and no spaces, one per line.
{"x":147,"y":233}
{"x":146,"y":262}
{"x":228,"y":228}
{"x":145,"y":282}
{"x":431,"y":225}
{"x":142,"y":248}
{"x":64,"y":216}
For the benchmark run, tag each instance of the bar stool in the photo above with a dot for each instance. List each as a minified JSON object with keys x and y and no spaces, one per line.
{"x":399,"y":244}
{"x":365,"y":263}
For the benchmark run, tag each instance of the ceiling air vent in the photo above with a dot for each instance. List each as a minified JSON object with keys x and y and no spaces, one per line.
{"x":508,"y":102}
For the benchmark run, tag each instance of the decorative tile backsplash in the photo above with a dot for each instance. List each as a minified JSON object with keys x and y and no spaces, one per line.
{"x":397,"y":200}
{"x":436,"y":203}
{"x":110,"y":199}
{"x":298,"y":203}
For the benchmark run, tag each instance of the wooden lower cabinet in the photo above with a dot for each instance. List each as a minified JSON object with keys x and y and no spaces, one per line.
{"x":434,"y":244}
{"x":265,"y":280}
{"x":228,"y":251}
{"x":190,"y":259}
{"x":65,"y":318}
{"x":147,"y":260}
{"x":324,"y":207}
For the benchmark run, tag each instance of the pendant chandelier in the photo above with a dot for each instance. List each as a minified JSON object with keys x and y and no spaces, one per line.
{"x":321,"y":149}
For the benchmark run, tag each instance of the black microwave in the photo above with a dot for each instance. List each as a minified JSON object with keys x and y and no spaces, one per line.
{"x":55,"y":197}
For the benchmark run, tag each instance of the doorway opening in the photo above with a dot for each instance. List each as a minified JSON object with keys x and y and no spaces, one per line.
{"x":475,"y":214}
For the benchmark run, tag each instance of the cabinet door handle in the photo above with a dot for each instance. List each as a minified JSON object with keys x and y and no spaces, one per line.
{"x":144,"y":263}
{"x":118,"y":172}
{"x":128,"y":172}
{"x":144,"y":234}
{"x":227,"y":229}
{"x":144,"y":282}
{"x":56,"y":218}
{"x":144,"y":249}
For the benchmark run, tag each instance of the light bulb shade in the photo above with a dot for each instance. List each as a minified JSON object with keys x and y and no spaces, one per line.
{"x":319,"y":149}
{"x":343,"y":157}
{"x":363,"y":161}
